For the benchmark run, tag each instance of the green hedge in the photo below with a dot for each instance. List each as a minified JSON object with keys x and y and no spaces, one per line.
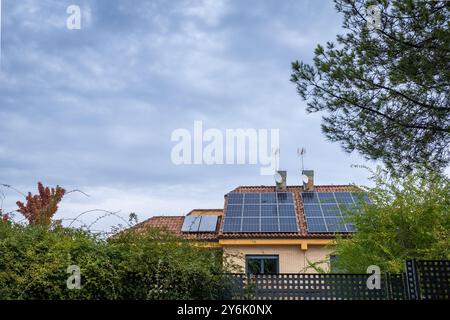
{"x":153,"y":265}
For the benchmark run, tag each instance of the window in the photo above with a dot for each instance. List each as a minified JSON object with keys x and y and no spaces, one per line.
{"x":333,"y":264}
{"x":261,"y":264}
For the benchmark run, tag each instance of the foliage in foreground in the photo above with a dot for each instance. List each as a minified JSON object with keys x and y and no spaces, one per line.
{"x":408,"y":218}
{"x":153,"y":265}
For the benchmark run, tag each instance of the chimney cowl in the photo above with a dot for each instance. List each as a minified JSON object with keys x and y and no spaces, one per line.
{"x":309,"y":184}
{"x":280,"y":180}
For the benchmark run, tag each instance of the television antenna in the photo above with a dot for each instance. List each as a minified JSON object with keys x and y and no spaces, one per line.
{"x":276,"y":152}
{"x":301,"y":153}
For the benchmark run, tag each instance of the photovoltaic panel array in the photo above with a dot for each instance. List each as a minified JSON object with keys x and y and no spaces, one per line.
{"x":325,"y":211}
{"x":206,"y":223}
{"x":260,"y":212}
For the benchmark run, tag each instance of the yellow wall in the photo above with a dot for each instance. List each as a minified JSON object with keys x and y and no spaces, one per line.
{"x":292,"y":259}
{"x":205,"y":212}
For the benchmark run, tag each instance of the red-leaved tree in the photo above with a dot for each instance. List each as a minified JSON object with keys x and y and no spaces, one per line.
{"x":4,"y":217}
{"x":39,"y":209}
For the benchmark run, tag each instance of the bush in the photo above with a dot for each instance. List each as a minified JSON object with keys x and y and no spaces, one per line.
{"x":152,"y":265}
{"x":409,"y":218}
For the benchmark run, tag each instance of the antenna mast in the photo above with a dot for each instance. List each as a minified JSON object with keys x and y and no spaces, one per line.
{"x":276,"y":151}
{"x":301,"y":152}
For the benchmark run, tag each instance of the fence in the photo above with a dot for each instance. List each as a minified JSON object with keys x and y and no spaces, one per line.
{"x":421,"y":280}
{"x":428,"y":279}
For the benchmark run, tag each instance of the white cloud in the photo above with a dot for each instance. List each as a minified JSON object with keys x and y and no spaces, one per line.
{"x":38,"y":16}
{"x":210,"y":12}
{"x":146,"y":202}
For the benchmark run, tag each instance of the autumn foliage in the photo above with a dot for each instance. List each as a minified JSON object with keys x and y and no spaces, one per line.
{"x":4,"y":217}
{"x":39,"y":209}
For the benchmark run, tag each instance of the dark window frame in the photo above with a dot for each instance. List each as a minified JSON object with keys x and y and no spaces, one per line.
{"x":262,"y":257}
{"x":333,"y":261}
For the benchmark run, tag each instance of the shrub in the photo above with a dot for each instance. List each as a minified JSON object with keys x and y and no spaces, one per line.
{"x":409,"y":218}
{"x":152,"y":265}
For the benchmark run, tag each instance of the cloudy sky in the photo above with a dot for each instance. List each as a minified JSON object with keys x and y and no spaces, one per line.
{"x":94,"y":109}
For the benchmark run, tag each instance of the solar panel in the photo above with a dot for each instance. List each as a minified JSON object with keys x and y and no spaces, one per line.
{"x":326,"y":211}
{"x":310,"y":197}
{"x":250,"y":224}
{"x":288,"y":224}
{"x":286,"y":209}
{"x":285,"y":197}
{"x":316,"y":224}
{"x":336,"y":224}
{"x":198,"y":223}
{"x":269,"y":198}
{"x":208,"y":223}
{"x":232,"y":224}
{"x":235,"y":198}
{"x":234,"y":210}
{"x":260,"y":212}
{"x":343,"y":197}
{"x":331,"y":210}
{"x":252,"y":198}
{"x":251,"y":210}
{"x":191,"y":223}
{"x":358,"y":197}
{"x":269,"y":210}
{"x":326,"y":197}
{"x":269,"y":225}
{"x":312,"y":210}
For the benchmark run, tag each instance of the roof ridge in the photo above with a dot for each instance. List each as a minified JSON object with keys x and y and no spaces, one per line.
{"x":165,"y":217}
{"x":153,"y":217}
{"x":296,"y":186}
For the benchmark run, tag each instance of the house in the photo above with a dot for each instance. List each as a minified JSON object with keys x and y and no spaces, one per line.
{"x":272,"y":229}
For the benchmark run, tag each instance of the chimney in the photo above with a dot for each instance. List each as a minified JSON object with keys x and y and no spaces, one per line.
{"x":308,"y":180}
{"x":280,"y":179}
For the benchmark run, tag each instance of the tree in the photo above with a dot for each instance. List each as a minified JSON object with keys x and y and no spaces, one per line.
{"x":408,"y":218}
{"x":4,"y":217}
{"x":40,"y":209}
{"x":385,"y":91}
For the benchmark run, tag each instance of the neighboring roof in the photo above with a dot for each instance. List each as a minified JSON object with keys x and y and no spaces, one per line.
{"x":169,"y":223}
{"x":174,"y":223}
{"x":296,"y":190}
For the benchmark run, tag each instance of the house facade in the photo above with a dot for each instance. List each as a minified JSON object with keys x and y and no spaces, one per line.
{"x":271,"y":229}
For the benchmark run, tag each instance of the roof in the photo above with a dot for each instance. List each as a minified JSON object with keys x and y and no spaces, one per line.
{"x":296,"y":190}
{"x":174,"y":223}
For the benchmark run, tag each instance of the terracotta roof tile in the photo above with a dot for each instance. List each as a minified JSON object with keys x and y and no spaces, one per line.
{"x":174,"y":223}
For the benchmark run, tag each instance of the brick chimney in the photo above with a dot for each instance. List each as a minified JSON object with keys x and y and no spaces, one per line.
{"x":308,"y":184}
{"x":280,"y":180}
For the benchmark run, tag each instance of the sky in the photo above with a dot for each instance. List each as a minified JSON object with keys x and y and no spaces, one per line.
{"x":94,"y":108}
